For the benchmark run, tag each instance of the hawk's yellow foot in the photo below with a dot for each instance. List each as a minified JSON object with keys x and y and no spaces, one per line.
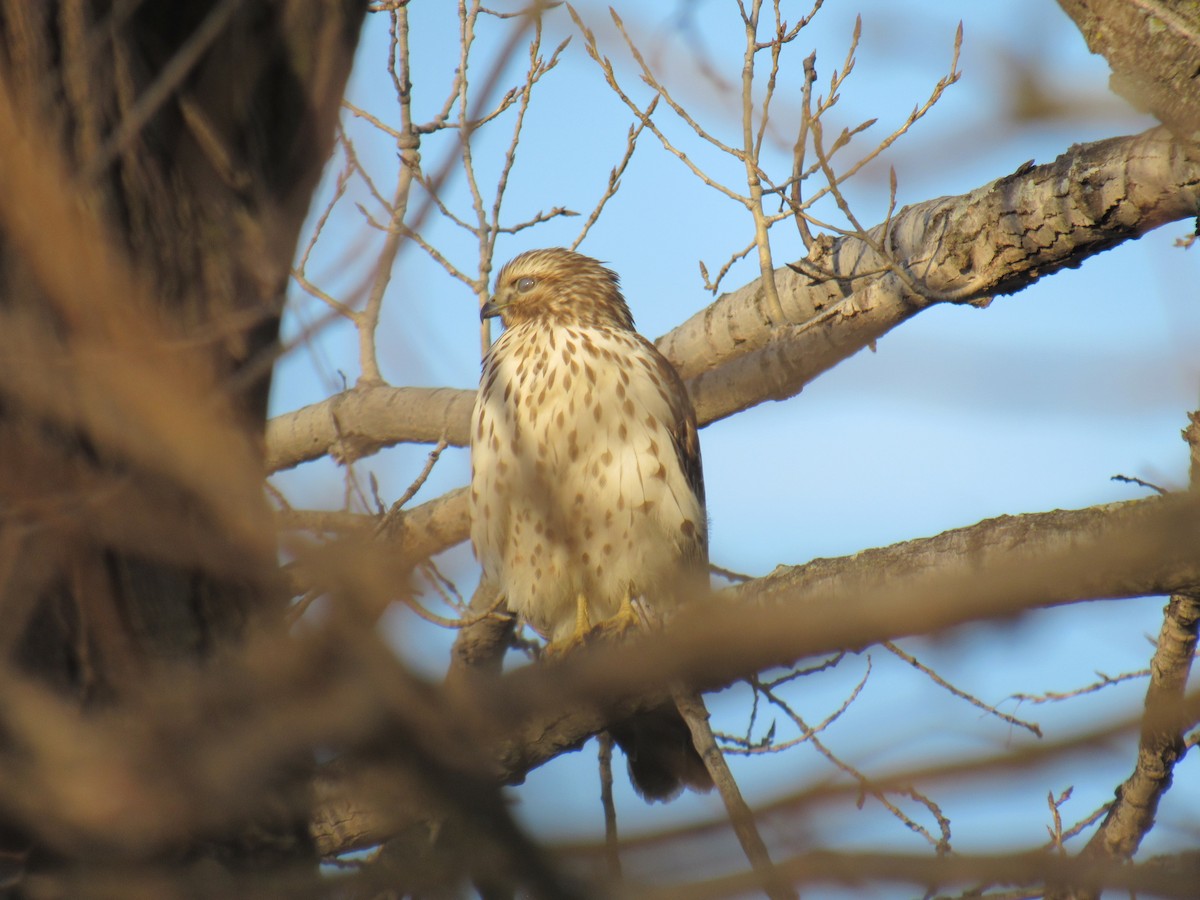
{"x":578,"y":637}
{"x":626,"y":619}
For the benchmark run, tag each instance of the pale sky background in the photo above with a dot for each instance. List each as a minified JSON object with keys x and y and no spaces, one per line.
{"x":961,"y":414}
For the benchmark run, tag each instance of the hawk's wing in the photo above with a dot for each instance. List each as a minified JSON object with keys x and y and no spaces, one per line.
{"x":682,"y":429}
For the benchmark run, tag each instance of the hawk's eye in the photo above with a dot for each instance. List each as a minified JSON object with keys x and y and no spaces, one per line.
{"x":525,"y":284}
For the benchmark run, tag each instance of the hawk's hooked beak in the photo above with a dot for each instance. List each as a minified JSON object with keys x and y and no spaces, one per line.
{"x":490,"y":310}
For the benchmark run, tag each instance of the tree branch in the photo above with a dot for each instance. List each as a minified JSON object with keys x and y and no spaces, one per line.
{"x":996,"y":239}
{"x":691,"y":706}
{"x":855,"y":869}
{"x":1148,"y":44}
{"x":364,"y":420}
{"x":997,"y":568}
{"x":1161,"y":745}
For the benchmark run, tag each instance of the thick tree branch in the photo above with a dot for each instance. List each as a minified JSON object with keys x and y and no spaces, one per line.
{"x":416,"y":533}
{"x":1161,"y":745}
{"x":1152,"y":46}
{"x":364,"y":420}
{"x":339,"y":687}
{"x":996,"y":239}
{"x":996,"y":568}
{"x":947,"y":872}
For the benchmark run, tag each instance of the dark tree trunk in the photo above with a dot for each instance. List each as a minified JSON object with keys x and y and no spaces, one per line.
{"x":171,"y":148}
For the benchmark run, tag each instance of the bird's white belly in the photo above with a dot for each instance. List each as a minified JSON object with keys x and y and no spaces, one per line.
{"x":576,"y":488}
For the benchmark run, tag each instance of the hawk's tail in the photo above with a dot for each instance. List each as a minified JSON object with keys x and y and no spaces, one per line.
{"x":662,"y":758}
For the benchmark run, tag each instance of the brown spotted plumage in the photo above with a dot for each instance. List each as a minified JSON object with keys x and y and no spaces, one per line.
{"x":586,"y":484}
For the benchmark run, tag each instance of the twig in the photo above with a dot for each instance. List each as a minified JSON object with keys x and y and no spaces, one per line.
{"x":536,"y":219}
{"x":612,"y":852}
{"x":487,"y":225}
{"x":337,"y":307}
{"x":799,"y":148}
{"x":453,"y":624}
{"x":1128,"y":479}
{"x":610,"y":77}
{"x":1058,"y":838}
{"x":430,"y":461}
{"x":1056,"y":829}
{"x":866,"y":786}
{"x":445,"y":587}
{"x":767,"y":744}
{"x":339,"y":191}
{"x":809,"y":670}
{"x":1059,"y":696}
{"x":961,"y":694}
{"x":691,"y":707}
{"x":746,"y":747}
{"x":374,"y":120}
{"x":915,"y":116}
{"x":614,"y":176}
{"x":714,"y":285}
{"x":367,"y":320}
{"x":1085,"y":822}
{"x":750,"y":159}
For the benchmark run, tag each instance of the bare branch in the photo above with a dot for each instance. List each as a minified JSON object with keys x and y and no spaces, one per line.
{"x":691,"y":707}
{"x":364,"y":420}
{"x":611,"y":839}
{"x":990,"y":241}
{"x":430,"y":462}
{"x":1058,"y":696}
{"x":614,"y":176}
{"x":1161,"y":745}
{"x":933,"y":676}
{"x":994,"y":569}
{"x":367,"y":321}
{"x":606,"y":67}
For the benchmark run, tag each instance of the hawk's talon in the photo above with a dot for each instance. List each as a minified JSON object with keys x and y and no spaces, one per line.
{"x":583,"y":620}
{"x":578,"y":637}
{"x":626,"y":619}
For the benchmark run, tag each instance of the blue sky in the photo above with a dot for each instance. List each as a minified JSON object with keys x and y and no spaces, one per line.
{"x":959,"y":415}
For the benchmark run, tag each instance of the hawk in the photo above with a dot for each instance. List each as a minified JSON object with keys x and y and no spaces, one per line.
{"x":586,"y":485}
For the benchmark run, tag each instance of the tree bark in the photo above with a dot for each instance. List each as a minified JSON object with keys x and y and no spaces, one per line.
{"x":159,"y":163}
{"x":1153,"y":47}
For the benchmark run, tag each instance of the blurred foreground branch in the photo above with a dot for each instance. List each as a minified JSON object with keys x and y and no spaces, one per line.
{"x":1161,"y":745}
{"x":939,"y":875}
{"x":998,"y":568}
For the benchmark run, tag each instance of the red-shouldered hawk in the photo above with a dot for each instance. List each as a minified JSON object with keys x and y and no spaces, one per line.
{"x":586,"y":485}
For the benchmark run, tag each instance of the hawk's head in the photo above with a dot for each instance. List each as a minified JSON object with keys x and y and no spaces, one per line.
{"x":557,"y":285}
